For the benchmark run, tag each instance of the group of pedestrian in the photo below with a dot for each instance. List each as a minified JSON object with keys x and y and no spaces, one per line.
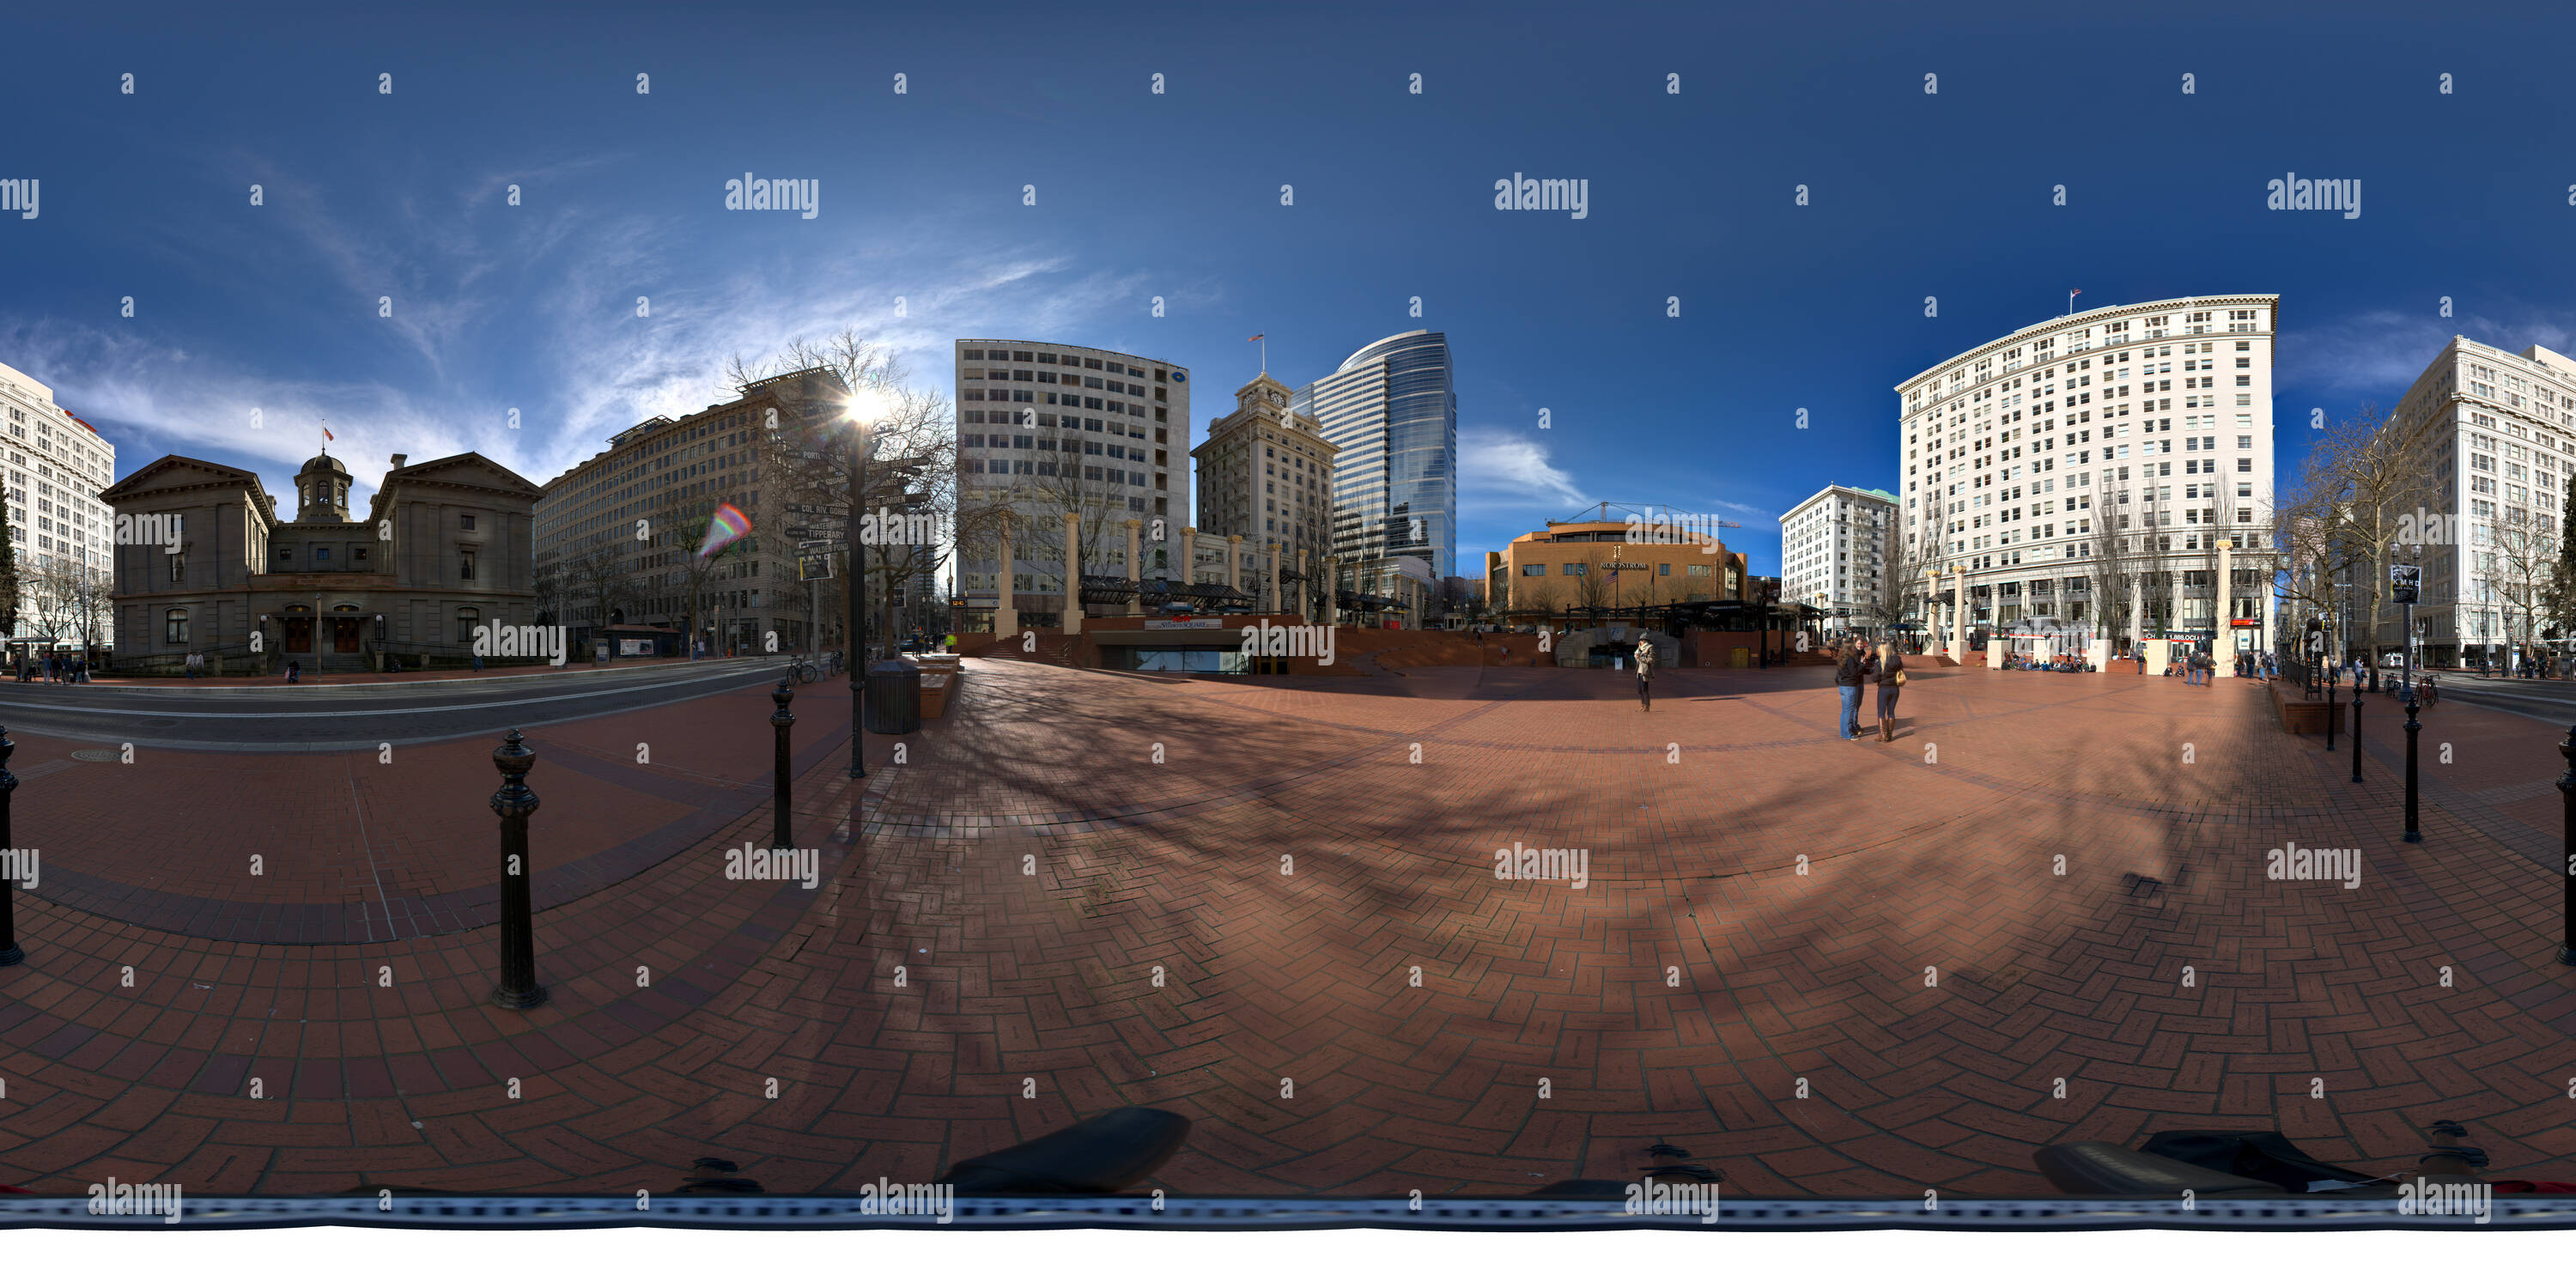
{"x":53,"y":669}
{"x":196,"y":665}
{"x":1855,"y":667}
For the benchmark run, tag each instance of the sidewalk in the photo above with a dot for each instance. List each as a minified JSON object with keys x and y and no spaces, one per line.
{"x":574,"y":667}
{"x":1822,"y":967}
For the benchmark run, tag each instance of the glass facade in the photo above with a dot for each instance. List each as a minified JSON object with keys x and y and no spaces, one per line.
{"x":1392,"y":409}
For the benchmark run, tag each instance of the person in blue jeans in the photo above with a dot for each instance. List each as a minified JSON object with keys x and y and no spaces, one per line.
{"x":1853,"y":667}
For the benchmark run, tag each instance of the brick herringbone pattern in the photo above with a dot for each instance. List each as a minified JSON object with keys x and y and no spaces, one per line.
{"x":1272,"y":906}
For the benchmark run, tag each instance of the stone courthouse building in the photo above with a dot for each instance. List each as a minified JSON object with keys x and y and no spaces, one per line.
{"x":445,"y":546}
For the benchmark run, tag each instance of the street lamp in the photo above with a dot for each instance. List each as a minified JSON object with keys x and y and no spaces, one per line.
{"x":866,"y":407}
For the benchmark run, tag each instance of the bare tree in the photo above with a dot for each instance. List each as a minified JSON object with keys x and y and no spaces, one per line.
{"x":901,"y":472}
{"x":599,"y":575}
{"x":2521,"y":569}
{"x":2364,"y":473}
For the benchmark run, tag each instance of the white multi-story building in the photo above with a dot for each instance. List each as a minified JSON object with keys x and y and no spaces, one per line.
{"x":2097,"y":460}
{"x":1049,"y":429}
{"x":2496,"y":435}
{"x":58,"y":465}
{"x":1833,"y":553}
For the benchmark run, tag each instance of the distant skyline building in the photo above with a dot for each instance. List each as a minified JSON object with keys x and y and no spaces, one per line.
{"x":1048,"y":429}
{"x":596,"y":573}
{"x":2493,"y":435}
{"x":2096,"y":461}
{"x":58,"y":465}
{"x":1265,"y":474}
{"x":1834,"y":548}
{"x":1392,"y":411}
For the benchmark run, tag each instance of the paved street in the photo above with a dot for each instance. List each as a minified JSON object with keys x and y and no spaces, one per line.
{"x":355,"y":715}
{"x":1248,"y":902}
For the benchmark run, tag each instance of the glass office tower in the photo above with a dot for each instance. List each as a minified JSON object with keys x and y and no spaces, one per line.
{"x":1392,"y":409}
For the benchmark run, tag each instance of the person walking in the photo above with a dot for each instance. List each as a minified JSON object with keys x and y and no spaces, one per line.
{"x":1891,"y":682}
{"x":1645,"y":675}
{"x":1853,"y":667}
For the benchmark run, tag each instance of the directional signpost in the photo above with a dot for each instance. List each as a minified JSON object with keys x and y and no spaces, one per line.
{"x":2403,"y":582}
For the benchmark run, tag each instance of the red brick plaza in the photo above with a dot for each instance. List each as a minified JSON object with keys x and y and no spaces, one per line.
{"x":1271,"y":905}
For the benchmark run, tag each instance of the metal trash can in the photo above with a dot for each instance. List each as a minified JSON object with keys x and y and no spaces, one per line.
{"x":894,"y":696}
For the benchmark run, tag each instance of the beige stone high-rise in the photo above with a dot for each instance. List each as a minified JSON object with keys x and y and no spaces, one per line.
{"x":1265,"y":474}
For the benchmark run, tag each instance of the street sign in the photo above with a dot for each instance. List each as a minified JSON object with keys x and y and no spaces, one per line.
{"x":814,"y":567}
{"x":2402,"y":581}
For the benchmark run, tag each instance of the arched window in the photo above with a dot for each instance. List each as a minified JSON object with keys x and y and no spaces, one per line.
{"x":466,"y":620}
{"x":174,"y":626}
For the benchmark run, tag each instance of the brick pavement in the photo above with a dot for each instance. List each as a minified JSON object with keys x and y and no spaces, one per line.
{"x":1080,"y":877}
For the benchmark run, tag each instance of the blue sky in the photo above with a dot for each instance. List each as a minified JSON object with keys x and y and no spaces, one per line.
{"x":2466,"y":195}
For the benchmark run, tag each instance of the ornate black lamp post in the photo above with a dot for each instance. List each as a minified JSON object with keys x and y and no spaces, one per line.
{"x":518,"y":989}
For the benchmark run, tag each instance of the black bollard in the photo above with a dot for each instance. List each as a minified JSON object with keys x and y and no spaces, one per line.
{"x":780,"y":720}
{"x":2566,"y":834}
{"x":2412,"y":727}
{"x":10,"y":953}
{"x":2356,"y":731}
{"x":518,"y":989}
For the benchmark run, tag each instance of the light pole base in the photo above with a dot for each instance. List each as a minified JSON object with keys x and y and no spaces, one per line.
{"x":2416,"y":838}
{"x":2567,"y":954}
{"x":512,"y":999}
{"x":12,"y":955}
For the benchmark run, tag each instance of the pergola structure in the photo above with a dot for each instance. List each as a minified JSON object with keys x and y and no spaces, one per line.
{"x":1212,"y":597}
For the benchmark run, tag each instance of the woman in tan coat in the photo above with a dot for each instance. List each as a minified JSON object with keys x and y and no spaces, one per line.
{"x":1891,"y":681}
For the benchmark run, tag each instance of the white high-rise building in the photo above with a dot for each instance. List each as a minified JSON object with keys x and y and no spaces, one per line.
{"x":1049,"y":429}
{"x":2097,"y":460}
{"x":1833,"y":553}
{"x":58,"y":465}
{"x":2496,"y":435}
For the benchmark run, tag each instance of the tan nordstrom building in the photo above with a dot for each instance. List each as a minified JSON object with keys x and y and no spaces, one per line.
{"x":1592,"y":564}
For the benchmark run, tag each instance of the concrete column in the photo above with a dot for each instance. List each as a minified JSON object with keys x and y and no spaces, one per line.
{"x":1932,"y":606}
{"x":1072,"y":572}
{"x":1959,"y":613}
{"x":1234,"y":562}
{"x":2137,"y":611}
{"x":1305,"y":588}
{"x":1332,"y":590}
{"x":1272,"y":581}
{"x":1006,"y":611}
{"x":1189,"y":556}
{"x":1135,"y":605}
{"x":2222,"y":649}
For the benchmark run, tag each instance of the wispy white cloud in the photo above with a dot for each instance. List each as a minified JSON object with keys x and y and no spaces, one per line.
{"x":2377,"y":354}
{"x":1502,"y":468}
{"x":550,"y":306}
